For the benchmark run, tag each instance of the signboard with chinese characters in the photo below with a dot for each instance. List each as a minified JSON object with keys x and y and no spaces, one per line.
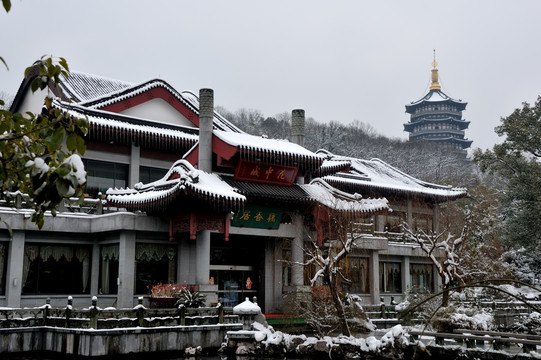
{"x":265,"y":173}
{"x":258,"y":217}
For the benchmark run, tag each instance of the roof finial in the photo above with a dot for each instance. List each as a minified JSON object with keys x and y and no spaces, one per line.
{"x":435,"y":84}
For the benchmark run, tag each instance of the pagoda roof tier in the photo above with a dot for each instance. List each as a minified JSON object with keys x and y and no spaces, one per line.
{"x":462,"y":124}
{"x":183,"y":182}
{"x":107,"y":126}
{"x":377,"y":177}
{"x":435,"y":96}
{"x":464,"y":143}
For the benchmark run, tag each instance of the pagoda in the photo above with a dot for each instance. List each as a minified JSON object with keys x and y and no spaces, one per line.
{"x":437,"y":117}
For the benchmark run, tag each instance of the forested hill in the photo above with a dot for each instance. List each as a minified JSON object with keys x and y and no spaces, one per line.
{"x":357,"y":139}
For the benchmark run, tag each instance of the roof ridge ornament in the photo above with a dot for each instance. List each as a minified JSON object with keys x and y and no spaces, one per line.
{"x":435,"y":84}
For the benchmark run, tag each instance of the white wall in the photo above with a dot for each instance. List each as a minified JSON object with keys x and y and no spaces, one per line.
{"x":158,"y":110}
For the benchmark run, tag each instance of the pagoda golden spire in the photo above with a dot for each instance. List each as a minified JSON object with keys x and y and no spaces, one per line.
{"x":435,"y":84}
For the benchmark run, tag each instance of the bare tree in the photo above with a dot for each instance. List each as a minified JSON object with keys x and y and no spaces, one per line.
{"x":445,"y":252}
{"x":327,"y":258}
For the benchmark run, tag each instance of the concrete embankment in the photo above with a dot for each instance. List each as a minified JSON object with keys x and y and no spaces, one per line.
{"x":92,"y":343}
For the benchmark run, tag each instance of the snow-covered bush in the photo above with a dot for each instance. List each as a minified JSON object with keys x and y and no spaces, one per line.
{"x":524,"y":264}
{"x":463,"y":317}
{"x":530,"y":324}
{"x":415,"y":310}
{"x":322,"y":317}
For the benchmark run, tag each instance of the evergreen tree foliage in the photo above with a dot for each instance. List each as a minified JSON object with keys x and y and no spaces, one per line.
{"x":516,"y":161}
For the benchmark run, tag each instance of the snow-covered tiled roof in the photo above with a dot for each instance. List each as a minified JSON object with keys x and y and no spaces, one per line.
{"x":82,"y":87}
{"x":323,"y":193}
{"x":124,"y":129}
{"x":330,"y":167}
{"x":182,"y":179}
{"x":377,"y":176}
{"x":436,"y":96}
{"x":257,"y":148}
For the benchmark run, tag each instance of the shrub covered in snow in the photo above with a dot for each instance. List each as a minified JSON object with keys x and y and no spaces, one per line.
{"x":530,"y":324}
{"x":275,"y":343}
{"x":462,"y":317}
{"x":321,"y":314}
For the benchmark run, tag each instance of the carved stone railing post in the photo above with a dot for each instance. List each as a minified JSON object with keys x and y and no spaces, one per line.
{"x":46,"y":311}
{"x":140,"y":311}
{"x":69,"y":308}
{"x":182,"y":318}
{"x":93,"y":313}
{"x":220,"y":309}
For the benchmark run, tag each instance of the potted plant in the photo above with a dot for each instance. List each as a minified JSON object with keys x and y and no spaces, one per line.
{"x":190,"y":298}
{"x":164,"y":295}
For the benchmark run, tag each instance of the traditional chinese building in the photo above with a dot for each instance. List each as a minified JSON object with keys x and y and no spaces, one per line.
{"x":178,"y":194}
{"x":437,"y":117}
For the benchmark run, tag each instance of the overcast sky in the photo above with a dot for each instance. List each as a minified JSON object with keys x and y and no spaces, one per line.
{"x":338,"y":60}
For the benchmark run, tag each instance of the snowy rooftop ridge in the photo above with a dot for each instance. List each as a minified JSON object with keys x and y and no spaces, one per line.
{"x":320,"y":191}
{"x":82,"y":86}
{"x":253,"y":146}
{"x":104,"y":120}
{"x":181,"y":178}
{"x":186,"y":97}
{"x":376,"y":173}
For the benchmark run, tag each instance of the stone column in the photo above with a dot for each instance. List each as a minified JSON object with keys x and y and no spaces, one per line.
{"x":202,"y":257}
{"x":135,"y":162}
{"x":14,"y":275}
{"x":405,"y":270}
{"x":374,"y":276}
{"x":297,"y":127}
{"x":409,"y":214}
{"x":297,"y":253}
{"x":278,"y":275}
{"x":206,"y":117}
{"x":436,"y":218}
{"x":202,"y":266}
{"x":186,"y":266}
{"x":126,"y":269}
{"x":380,"y":223}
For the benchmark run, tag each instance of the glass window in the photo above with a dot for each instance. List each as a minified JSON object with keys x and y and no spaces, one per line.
{"x":109,"y":269}
{"x":422,"y":277}
{"x":149,"y":174}
{"x":357,"y":273}
{"x":155,"y":264}
{"x":390,"y":277}
{"x":101,"y":175}
{"x":3,"y":265}
{"x":56,"y":269}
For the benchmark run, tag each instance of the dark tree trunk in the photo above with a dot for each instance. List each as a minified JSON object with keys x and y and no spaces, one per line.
{"x":339,"y":306}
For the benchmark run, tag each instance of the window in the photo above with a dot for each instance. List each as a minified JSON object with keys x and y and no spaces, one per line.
{"x":109,"y":269}
{"x":56,"y":269}
{"x":357,"y":273}
{"x":103,"y":175}
{"x":422,"y":277}
{"x":155,"y":263}
{"x":3,"y":265}
{"x":390,"y":277}
{"x":149,"y":174}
